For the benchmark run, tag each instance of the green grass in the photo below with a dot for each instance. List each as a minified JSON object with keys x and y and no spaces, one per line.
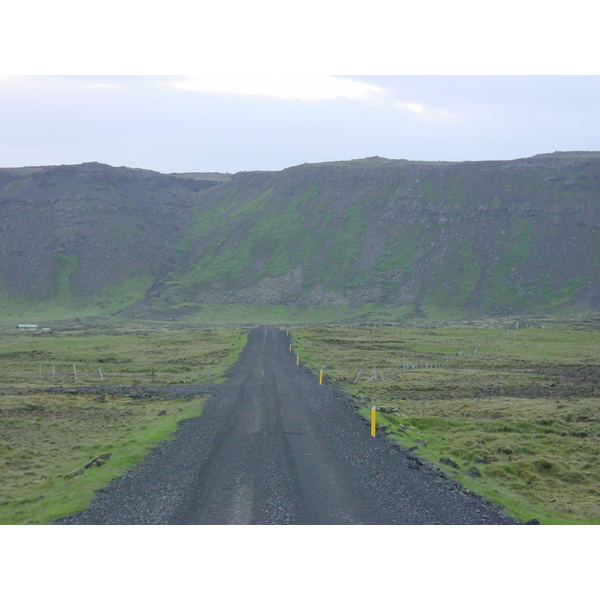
{"x":523,"y":400}
{"x":15,"y":185}
{"x":116,"y":355}
{"x":117,"y":296}
{"x":517,"y":251}
{"x":254,"y":314}
{"x":46,"y":441}
{"x":66,"y":266}
{"x":47,"y":438}
{"x":270,"y":242}
{"x":106,"y":304}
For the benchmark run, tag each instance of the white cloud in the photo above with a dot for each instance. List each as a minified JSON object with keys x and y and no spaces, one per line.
{"x":102,"y":86}
{"x":286,"y":87}
{"x":417,"y":108}
{"x":420,"y":109}
{"x":16,"y":80}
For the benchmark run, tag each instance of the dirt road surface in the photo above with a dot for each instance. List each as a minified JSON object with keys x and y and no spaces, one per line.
{"x":272,"y":446}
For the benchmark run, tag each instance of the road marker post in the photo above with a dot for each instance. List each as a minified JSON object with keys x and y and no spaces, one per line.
{"x":321,"y":377}
{"x":373,"y":421}
{"x":290,"y":347}
{"x":297,"y":360}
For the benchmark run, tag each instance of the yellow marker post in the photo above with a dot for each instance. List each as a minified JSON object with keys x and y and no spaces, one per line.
{"x":297,"y":360}
{"x":290,"y":347}
{"x":320,"y":377}
{"x":373,"y":421}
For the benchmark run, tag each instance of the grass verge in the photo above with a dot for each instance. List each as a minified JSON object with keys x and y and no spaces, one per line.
{"x":94,"y":355}
{"x":46,"y":441}
{"x":53,"y":423}
{"x":511,"y":414}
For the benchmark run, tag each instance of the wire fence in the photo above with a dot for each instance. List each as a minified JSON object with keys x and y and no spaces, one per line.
{"x":393,"y":369}
{"x":84,"y":374}
{"x":389,"y":373}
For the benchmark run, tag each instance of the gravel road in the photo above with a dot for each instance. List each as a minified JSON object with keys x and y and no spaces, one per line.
{"x":272,"y":446}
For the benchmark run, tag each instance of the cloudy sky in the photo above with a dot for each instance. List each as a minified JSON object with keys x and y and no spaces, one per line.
{"x":240,"y":123}
{"x":260,"y":87}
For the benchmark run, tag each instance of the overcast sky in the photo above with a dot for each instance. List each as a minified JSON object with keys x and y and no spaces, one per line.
{"x":233,"y":123}
{"x":465,"y":82}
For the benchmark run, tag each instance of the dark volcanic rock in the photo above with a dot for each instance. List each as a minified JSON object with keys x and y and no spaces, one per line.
{"x":95,"y":225}
{"x":449,"y":462}
{"x":474,"y":472}
{"x":469,"y":235}
{"x":99,"y":460}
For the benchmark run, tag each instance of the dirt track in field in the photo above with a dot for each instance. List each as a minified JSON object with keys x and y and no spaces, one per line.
{"x":274,"y":447}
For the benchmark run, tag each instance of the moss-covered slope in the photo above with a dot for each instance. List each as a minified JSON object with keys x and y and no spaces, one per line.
{"x":494,"y":237}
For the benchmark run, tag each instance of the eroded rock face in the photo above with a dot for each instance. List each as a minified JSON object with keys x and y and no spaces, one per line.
{"x":495,"y":237}
{"x":69,"y":231}
{"x":267,"y":290}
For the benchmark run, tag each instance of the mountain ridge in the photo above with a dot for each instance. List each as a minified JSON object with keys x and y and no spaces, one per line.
{"x":482,"y":237}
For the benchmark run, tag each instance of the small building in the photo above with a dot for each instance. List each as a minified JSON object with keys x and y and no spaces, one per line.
{"x":27,"y":327}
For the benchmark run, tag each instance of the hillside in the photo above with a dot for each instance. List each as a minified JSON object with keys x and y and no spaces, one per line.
{"x":73,"y":232}
{"x":493,"y":237}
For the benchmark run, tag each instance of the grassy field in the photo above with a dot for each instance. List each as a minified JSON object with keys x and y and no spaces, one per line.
{"x":516,"y":401}
{"x":52,"y":427}
{"x":512,"y":413}
{"x":123,"y":355}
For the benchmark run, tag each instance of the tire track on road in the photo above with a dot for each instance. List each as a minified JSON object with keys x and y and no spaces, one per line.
{"x":272,"y":446}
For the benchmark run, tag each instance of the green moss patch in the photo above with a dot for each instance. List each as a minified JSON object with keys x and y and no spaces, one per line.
{"x":56,"y":450}
{"x":512,"y":414}
{"x":47,"y":439}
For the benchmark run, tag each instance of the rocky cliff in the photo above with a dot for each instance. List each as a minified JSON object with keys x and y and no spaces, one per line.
{"x":70,"y":231}
{"x":494,"y":237}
